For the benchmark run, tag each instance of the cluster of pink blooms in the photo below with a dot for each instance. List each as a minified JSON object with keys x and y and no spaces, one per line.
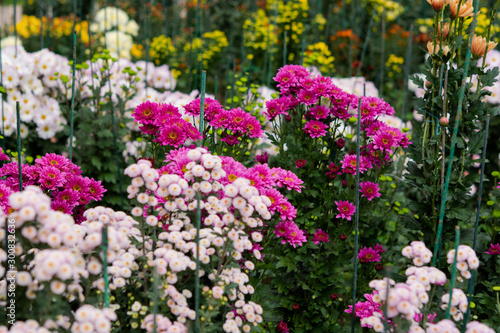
{"x":264,"y":179}
{"x":466,"y":258}
{"x":165,"y":123}
{"x":29,"y":325}
{"x":370,"y":254}
{"x":235,"y":123}
{"x":58,"y":177}
{"x":444,"y":325}
{"x":233,"y":211}
{"x":418,"y":252}
{"x":459,"y":303}
{"x":327,"y":105}
{"x":408,"y":299}
{"x":163,"y":325}
{"x":477,"y":327}
{"x":291,"y":233}
{"x":91,"y":319}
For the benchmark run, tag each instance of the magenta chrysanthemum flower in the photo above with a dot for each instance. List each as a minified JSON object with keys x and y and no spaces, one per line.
{"x":54,"y":160}
{"x":145,"y":113}
{"x":494,"y":249}
{"x":276,"y":107}
{"x":307,"y":97}
{"x":367,"y":308}
{"x":276,"y":198}
{"x":262,"y":159}
{"x":286,"y":210}
{"x":300,"y":163}
{"x":333,"y":171}
{"x":3,"y":157}
{"x":320,"y":237}
{"x":61,"y":206}
{"x":96,"y":190}
{"x":290,"y":233}
{"x":383,"y":141}
{"x":349,"y":164}
{"x":172,"y":136}
{"x":315,"y":128}
{"x":368,"y":255}
{"x":370,"y":190}
{"x":346,"y":209}
{"x":288,"y":179}
{"x":318,"y":112}
{"x":210,"y":109}
{"x":282,"y":327}
{"x":68,"y":196}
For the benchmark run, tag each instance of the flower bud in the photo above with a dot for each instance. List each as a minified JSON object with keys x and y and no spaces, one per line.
{"x":343,"y":237}
{"x":437,"y":5}
{"x":444,"y":121}
{"x":340,"y":143}
{"x":288,"y":118}
{"x":295,"y":306}
{"x":444,"y":30}
{"x":479,"y":47}
{"x":333,"y":297}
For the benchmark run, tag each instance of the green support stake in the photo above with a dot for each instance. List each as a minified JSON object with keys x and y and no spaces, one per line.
{"x":454,"y":270}
{"x":404,"y":109}
{"x":356,"y":226}
{"x":1,"y":96}
{"x":472,"y":281}
{"x":198,"y":215}
{"x":19,"y":147}
{"x":227,"y":80}
{"x":104,"y":246}
{"x":234,"y":79}
{"x":382,"y":57}
{"x":215,"y":86}
{"x":155,"y":299}
{"x":454,"y":139}
{"x":202,"y":104}
{"x":351,"y":40}
{"x":15,"y":26}
{"x":72,"y":99}
{"x":284,"y":49}
{"x":365,"y":46}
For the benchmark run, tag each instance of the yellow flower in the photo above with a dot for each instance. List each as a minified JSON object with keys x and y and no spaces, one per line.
{"x":320,"y":56}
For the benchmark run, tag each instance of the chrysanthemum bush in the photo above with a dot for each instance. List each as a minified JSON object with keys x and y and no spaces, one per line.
{"x":42,"y":83}
{"x":410,"y":306}
{"x":314,"y":127}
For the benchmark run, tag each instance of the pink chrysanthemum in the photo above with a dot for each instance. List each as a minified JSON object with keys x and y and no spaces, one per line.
{"x":318,"y":112}
{"x":276,"y":107}
{"x":3,"y":157}
{"x":145,"y":113}
{"x":288,"y":179}
{"x":349,"y":164}
{"x":370,"y":190}
{"x":383,"y":141}
{"x":346,"y":209}
{"x":315,"y":129}
{"x":320,"y":237}
{"x":368,"y":255}
{"x":290,"y":233}
{"x":286,"y":210}
{"x":307,"y":97}
{"x":171,"y":135}
{"x":494,"y":249}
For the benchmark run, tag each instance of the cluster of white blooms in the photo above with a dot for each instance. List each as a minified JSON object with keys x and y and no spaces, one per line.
{"x":117,"y":30}
{"x":25,"y":326}
{"x":459,"y":303}
{"x":418,"y":252}
{"x":30,"y":80}
{"x":34,"y":79}
{"x":225,"y":222}
{"x":408,"y":299}
{"x":466,"y":258}
{"x":357,"y":86}
{"x":163,"y":325}
{"x":402,"y":299}
{"x":93,"y":320}
{"x":477,"y":327}
{"x":444,"y":325}
{"x":426,"y":276}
